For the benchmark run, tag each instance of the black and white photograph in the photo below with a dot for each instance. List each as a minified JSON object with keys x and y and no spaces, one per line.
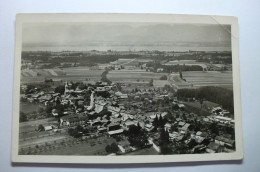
{"x":123,"y":88}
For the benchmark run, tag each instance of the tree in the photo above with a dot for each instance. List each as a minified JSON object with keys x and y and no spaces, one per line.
{"x":60,"y":89}
{"x":164,"y":77}
{"x":71,"y":132}
{"x":108,"y":149}
{"x":41,"y":127}
{"x":181,"y":148}
{"x":161,"y":122}
{"x":137,"y":136}
{"x":214,"y":128}
{"x":82,"y":86}
{"x":23,"y":117}
{"x":164,"y":137}
{"x":192,"y":143}
{"x":29,"y":89}
{"x":201,"y":103}
{"x":165,"y":149}
{"x":151,"y":83}
{"x":48,"y":109}
{"x":104,"y":77}
{"x":156,"y":121}
{"x":114,"y":148}
{"x":174,"y":128}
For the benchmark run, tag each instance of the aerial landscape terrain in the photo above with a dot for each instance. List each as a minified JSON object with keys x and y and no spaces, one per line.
{"x":112,"y":102}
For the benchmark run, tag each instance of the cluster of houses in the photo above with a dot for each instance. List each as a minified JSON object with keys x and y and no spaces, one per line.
{"x":203,"y":140}
{"x":109,"y":115}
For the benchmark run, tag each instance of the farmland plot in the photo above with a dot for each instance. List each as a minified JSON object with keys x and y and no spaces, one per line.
{"x":133,"y":75}
{"x":65,"y":74}
{"x":209,"y":78}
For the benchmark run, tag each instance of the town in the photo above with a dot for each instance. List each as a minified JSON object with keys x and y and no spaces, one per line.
{"x":126,"y":103}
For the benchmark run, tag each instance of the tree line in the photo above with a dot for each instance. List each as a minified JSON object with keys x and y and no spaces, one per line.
{"x":221,"y":96}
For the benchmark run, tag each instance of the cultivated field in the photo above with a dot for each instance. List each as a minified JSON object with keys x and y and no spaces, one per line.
{"x":209,"y":78}
{"x":88,"y":147}
{"x":160,"y":83}
{"x":64,"y":74}
{"x":129,"y":76}
{"x":39,"y":140}
{"x":186,"y":62}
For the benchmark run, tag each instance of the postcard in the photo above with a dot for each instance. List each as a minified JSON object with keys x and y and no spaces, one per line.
{"x":126,"y":88}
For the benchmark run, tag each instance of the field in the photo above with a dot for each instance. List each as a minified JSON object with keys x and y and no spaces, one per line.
{"x":88,"y":147}
{"x":65,"y":74}
{"x":29,"y":107}
{"x":30,"y":126}
{"x":160,"y":83}
{"x":204,"y":109}
{"x":186,"y":62}
{"x":129,"y":76}
{"x":38,"y":140}
{"x":209,"y":78}
{"x":145,"y":151}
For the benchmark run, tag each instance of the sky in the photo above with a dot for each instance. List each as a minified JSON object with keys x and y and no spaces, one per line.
{"x":125,"y":36}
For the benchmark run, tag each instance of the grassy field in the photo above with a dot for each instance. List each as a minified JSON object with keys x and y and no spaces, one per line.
{"x":196,"y":107}
{"x":89,"y":147}
{"x":41,"y":140}
{"x":145,"y":151}
{"x":209,"y":78}
{"x":30,"y":126}
{"x":27,"y":107}
{"x":206,"y":106}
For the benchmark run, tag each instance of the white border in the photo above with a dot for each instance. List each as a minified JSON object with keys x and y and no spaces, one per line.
{"x":156,"y":18}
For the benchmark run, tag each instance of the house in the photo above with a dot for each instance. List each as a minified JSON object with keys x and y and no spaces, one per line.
{"x":100,"y":89}
{"x":176,"y":136}
{"x":97,"y":122}
{"x":98,"y":108}
{"x":102,"y":129}
{"x":121,"y":95}
{"x":113,"y":126}
{"x":158,"y":115}
{"x":80,"y":102}
{"x":181,"y":124}
{"x":181,"y":106}
{"x":159,"y":70}
{"x":127,"y":124}
{"x":212,"y":147}
{"x":54,"y":112}
{"x":206,"y":120}
{"x":124,"y":146}
{"x":72,"y":120}
{"x":199,"y":137}
{"x":167,"y":126}
{"x":114,"y":110}
{"x":216,"y":110}
{"x":223,"y":141}
{"x":115,"y":120}
{"x":184,"y":128}
{"x":45,"y":98}
{"x":199,"y":148}
{"x":115,"y":132}
{"x":47,"y":128}
{"x":148,"y":127}
{"x":223,"y":120}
